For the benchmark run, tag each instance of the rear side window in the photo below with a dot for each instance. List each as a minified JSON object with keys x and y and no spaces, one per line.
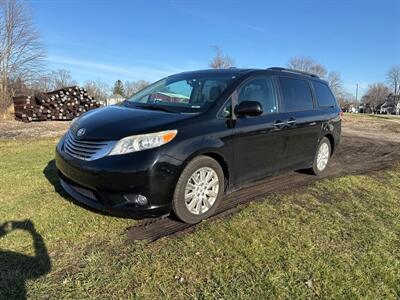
{"x":296,"y":94}
{"x":324,"y":94}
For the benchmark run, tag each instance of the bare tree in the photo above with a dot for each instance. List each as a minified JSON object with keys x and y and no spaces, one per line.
{"x":21,"y":49}
{"x":60,"y":79}
{"x":132,"y":87}
{"x":393,"y":79}
{"x":220,"y":60}
{"x":336,"y":83}
{"x":52,"y":81}
{"x":97,"y":89}
{"x":307,"y":64}
{"x":376,"y":94}
{"x":19,"y":87}
{"x":345,"y":100}
{"x":42,"y":84}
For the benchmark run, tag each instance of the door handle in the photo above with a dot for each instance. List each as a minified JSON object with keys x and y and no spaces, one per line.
{"x":291,"y":121}
{"x":279,"y":124}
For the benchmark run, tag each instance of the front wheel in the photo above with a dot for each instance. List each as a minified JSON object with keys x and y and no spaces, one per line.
{"x":322,"y":157}
{"x":199,"y":190}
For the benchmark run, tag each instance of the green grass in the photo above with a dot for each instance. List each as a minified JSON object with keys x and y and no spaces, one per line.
{"x":338,"y":239}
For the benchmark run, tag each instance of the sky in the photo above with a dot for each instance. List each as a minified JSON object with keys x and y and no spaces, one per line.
{"x":132,"y":40}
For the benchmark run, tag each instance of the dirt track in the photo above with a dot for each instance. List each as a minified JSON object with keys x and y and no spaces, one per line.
{"x":11,"y":129}
{"x":355,"y":155}
{"x":368,"y":144}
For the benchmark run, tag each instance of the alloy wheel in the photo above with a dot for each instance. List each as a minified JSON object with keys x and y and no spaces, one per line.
{"x":201,"y":190}
{"x":323,"y":156}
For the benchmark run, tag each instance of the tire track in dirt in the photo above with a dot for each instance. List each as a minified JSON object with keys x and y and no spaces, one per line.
{"x":355,"y":155}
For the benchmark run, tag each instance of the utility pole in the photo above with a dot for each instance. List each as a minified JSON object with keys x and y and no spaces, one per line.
{"x":357,"y":92}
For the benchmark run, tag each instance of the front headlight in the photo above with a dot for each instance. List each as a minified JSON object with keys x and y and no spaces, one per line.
{"x":142,"y":142}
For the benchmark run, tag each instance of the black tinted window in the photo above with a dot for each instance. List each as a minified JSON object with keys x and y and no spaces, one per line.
{"x":185,"y":92}
{"x":260,"y":89}
{"x":323,"y":94}
{"x":296,"y":94}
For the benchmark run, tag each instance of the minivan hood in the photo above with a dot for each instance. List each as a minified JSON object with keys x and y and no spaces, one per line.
{"x":116,"y":122}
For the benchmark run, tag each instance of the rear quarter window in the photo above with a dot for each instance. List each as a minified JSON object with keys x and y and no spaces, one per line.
{"x":296,"y":94}
{"x":324,"y":95}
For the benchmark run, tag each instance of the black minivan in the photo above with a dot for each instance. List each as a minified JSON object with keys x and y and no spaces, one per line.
{"x":181,"y":143}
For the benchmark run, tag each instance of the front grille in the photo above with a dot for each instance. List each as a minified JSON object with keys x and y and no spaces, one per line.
{"x":84,"y":149}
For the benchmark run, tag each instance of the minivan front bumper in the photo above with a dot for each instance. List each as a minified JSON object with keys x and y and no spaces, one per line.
{"x":111,"y":183}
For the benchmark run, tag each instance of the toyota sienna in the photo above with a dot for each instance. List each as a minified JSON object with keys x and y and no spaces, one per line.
{"x":183,"y":142}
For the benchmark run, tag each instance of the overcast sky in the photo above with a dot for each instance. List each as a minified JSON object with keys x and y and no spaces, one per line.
{"x":131,"y":40}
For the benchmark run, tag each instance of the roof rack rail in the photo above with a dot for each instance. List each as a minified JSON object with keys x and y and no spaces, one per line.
{"x":292,"y":71}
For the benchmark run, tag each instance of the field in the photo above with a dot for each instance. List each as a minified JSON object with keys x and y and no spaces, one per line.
{"x":338,"y":237}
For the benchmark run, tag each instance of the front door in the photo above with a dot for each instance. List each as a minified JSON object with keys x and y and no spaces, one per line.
{"x":258,"y":141}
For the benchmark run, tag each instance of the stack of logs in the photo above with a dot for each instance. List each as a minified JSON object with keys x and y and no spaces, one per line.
{"x":63,"y":104}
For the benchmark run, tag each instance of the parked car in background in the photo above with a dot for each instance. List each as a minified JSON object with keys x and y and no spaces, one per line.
{"x":181,"y":143}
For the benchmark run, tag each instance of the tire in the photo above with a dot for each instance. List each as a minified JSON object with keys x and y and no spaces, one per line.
{"x":320,"y":162}
{"x":197,"y":183}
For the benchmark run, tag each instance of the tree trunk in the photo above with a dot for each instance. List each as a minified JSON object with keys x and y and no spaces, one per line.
{"x":3,"y":96}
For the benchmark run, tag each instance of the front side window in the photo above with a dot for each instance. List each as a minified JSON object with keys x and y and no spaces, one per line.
{"x":296,"y":94}
{"x":260,"y":89}
{"x":183,"y":92}
{"x":323,"y":94}
{"x":226,"y":111}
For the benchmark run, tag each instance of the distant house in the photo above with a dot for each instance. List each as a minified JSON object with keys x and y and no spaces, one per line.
{"x":365,"y":108}
{"x":350,"y":108}
{"x":353,"y":108}
{"x":114,"y":99}
{"x":389,"y":106}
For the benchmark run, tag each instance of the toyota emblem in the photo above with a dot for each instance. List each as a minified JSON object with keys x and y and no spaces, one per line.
{"x":80,"y":132}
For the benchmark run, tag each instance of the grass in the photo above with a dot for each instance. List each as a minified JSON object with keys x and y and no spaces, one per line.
{"x":337,"y":239}
{"x":372,"y":117}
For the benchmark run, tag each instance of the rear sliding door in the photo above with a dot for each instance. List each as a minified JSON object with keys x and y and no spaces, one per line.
{"x":302,"y":126}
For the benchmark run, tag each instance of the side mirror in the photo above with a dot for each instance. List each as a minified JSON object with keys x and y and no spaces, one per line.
{"x":248,"y":108}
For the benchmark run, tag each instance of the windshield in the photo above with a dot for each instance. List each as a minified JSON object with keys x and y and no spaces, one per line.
{"x":183,"y":92}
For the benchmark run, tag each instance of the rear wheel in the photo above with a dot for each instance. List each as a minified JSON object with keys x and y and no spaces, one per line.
{"x":199,"y":190}
{"x":322,"y":157}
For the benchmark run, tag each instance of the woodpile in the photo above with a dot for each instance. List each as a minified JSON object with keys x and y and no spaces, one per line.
{"x":63,"y":104}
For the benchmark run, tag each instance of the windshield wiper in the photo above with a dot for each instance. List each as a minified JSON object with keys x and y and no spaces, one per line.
{"x":155,"y":107}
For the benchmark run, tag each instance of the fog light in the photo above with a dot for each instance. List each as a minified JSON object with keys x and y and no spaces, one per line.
{"x":136,"y":199}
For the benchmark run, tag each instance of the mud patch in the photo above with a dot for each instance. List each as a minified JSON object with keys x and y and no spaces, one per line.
{"x":355,"y":155}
